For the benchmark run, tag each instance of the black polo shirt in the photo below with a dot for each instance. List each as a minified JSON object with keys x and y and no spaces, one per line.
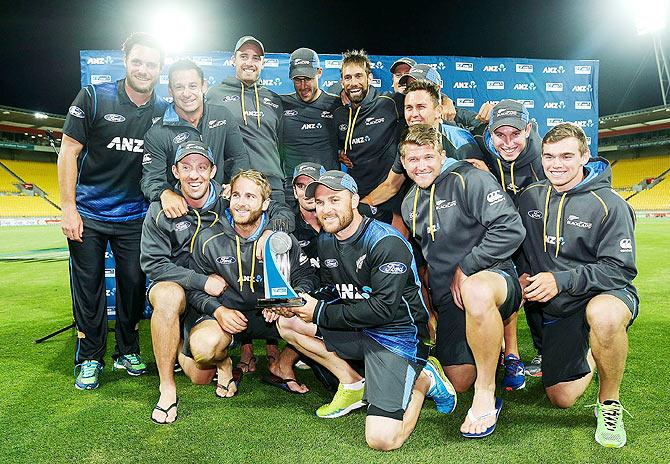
{"x":111,"y":128}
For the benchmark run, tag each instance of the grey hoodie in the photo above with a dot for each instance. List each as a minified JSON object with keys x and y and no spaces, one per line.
{"x":595,"y":251}
{"x":258,"y":112}
{"x":463,"y":219}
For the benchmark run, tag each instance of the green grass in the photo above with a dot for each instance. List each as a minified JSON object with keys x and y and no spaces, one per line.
{"x":44,"y":419}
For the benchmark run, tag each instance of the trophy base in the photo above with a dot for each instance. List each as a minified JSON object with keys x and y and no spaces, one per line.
{"x":269,"y":303}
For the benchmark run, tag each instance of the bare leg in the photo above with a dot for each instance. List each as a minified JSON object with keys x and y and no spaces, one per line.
{"x":247,"y":359}
{"x":209,"y":345}
{"x":283,"y":368}
{"x":510,"y":335}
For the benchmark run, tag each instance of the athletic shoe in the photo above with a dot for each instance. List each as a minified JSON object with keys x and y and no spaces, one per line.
{"x":343,"y":403}
{"x":131,"y":363}
{"x":610,"y":432}
{"x":534,"y":368}
{"x":514,"y":373}
{"x":89,"y":375}
{"x":441,"y":390}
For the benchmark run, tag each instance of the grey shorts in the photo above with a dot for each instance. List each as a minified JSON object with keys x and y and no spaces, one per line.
{"x":389,"y":378}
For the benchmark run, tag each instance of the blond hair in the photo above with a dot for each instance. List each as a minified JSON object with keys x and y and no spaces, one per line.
{"x":420,"y":135}
{"x":566,"y":130}
{"x":257,"y":178}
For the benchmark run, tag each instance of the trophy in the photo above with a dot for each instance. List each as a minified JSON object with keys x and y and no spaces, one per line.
{"x":277,"y":274}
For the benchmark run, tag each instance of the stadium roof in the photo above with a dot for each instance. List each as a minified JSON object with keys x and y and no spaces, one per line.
{"x":34,"y":122}
{"x":645,"y":120}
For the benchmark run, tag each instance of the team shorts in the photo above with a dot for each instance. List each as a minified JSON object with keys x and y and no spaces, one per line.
{"x":451,"y":347}
{"x":256,"y":327}
{"x":565,"y":341}
{"x":389,"y":378}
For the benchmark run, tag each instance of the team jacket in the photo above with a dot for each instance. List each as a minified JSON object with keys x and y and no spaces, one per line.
{"x":376,"y":276}
{"x":168,"y":243}
{"x":111,"y":128}
{"x":368,"y":135}
{"x":463,"y":219}
{"x":458,"y":143}
{"x":595,"y":249}
{"x":309,"y":133}
{"x":216,"y":128}
{"x":219,"y":250}
{"x":516,"y":175}
{"x":258,"y":113}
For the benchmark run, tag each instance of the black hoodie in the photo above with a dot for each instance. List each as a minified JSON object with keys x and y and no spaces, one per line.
{"x":258,"y":112}
{"x":595,"y":251}
{"x":463,"y":219}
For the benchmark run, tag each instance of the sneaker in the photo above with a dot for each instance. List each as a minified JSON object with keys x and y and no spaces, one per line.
{"x":89,"y":375}
{"x":343,"y":403}
{"x":534,"y":368}
{"x":610,"y":432}
{"x":131,"y":363}
{"x":441,"y":390}
{"x":514,"y":373}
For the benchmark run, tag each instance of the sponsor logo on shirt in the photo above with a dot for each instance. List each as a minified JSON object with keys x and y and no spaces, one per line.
{"x":254,"y":113}
{"x":524,"y":68}
{"x":309,"y":126}
{"x":582,"y":69}
{"x":553,"y":70}
{"x":535,"y":214}
{"x":372,"y":121}
{"x":525,"y":86}
{"x":214,"y":123}
{"x":331,"y":263}
{"x":442,"y":204}
{"x":494,"y":68}
{"x":358,"y":140}
{"x":393,"y":268}
{"x":465,"y":85}
{"x":343,"y":128}
{"x":433,"y":229}
{"x":351,"y":292}
{"x":574,"y":221}
{"x":226,"y":260}
{"x":327,"y":115}
{"x":127,"y":144}
{"x":146,"y":159}
{"x":154,"y":119}
{"x":181,"y":137}
{"x":554,"y":86}
{"x":183,"y":225}
{"x":555,"y":105}
{"x":494,"y":197}
{"x":359,"y":262}
{"x":626,"y":245}
{"x":76,"y":112}
{"x":464,"y":66}
{"x":112,"y":117}
{"x":303,"y":243}
{"x":582,"y":105}
{"x":551,"y":240}
{"x":269,"y":102}
{"x":290,"y":113}
{"x":465,"y":102}
{"x":231,"y":98}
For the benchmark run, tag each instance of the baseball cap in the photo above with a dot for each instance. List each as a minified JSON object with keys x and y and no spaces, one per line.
{"x":422,"y":71}
{"x":188,"y":148}
{"x":509,"y":113}
{"x":303,"y":63}
{"x":311,"y":170}
{"x":249,"y":38}
{"x":404,"y":60}
{"x":334,"y":180}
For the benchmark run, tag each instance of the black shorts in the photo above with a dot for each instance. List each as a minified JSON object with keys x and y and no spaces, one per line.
{"x":256,"y":327}
{"x":565,"y":342}
{"x":451,"y":347}
{"x":389,"y":378}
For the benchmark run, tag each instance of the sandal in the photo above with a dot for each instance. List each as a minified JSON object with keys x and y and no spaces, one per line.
{"x":245,"y":366}
{"x":166,"y":411}
{"x":235,"y":379}
{"x":495,"y":412}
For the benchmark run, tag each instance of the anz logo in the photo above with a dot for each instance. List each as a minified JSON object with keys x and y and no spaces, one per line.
{"x":494,"y":68}
{"x":551,"y":240}
{"x":553,"y":70}
{"x":526,"y":86}
{"x":350,"y":292}
{"x":465,"y":85}
{"x":127,"y":144}
{"x":555,"y":105}
{"x":276,"y":82}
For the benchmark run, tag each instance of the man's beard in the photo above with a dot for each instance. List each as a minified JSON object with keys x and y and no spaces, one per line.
{"x":343,"y":222}
{"x":251,"y":219}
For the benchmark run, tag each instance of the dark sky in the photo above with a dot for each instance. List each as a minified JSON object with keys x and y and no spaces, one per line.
{"x":40,"y":43}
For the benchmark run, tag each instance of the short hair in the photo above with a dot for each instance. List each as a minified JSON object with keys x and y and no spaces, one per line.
{"x":422,"y":84}
{"x":359,"y":57}
{"x":143,"y":38}
{"x":185,"y":65}
{"x":420,"y":135}
{"x":566,"y":130}
{"x":257,"y":178}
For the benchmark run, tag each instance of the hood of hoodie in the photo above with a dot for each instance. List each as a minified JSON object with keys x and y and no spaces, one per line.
{"x":530,"y":153}
{"x":598,"y":175}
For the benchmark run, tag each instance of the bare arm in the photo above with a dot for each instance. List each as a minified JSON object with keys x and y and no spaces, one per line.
{"x":71,"y":225}
{"x":385,"y":190}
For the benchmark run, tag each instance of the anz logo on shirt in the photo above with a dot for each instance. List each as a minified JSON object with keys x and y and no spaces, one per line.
{"x":551,"y":240}
{"x":127,"y":144}
{"x":352,"y":292}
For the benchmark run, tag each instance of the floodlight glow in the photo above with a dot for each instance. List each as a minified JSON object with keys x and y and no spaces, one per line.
{"x":41,"y":116}
{"x":173,"y":27}
{"x":650,"y":15}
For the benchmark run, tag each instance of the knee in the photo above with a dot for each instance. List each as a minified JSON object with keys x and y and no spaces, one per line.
{"x":380,"y":441}
{"x":560,"y":398}
{"x":606,"y":321}
{"x":168,"y":301}
{"x":288,"y":328}
{"x":461,"y":377}
{"x":478,"y":298}
{"x":205,"y":345}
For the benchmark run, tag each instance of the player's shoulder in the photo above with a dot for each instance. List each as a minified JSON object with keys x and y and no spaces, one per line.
{"x":533,"y":191}
{"x":378,"y":232}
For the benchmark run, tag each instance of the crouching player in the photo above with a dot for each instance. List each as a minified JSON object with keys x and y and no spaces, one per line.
{"x":580,"y":253}
{"x":228,"y":249}
{"x":380,"y":319}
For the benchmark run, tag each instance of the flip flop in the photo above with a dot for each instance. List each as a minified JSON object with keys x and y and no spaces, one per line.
{"x":488,"y":431}
{"x":245,"y":366}
{"x":278,"y":382}
{"x":166,"y":411}
{"x":236,"y":379}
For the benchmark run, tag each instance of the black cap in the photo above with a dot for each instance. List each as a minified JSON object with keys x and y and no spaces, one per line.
{"x":404,"y":60}
{"x":311,"y":170}
{"x":188,"y":148}
{"x":249,"y":38}
{"x":509,"y":113}
{"x":334,"y":180}
{"x":304,"y":62}
{"x":422,"y":71}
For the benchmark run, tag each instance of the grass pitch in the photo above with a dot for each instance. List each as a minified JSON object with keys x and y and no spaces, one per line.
{"x":45,"y":419}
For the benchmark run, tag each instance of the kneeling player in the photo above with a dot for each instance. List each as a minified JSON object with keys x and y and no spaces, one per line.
{"x":228,"y":249}
{"x":379,"y":319}
{"x":580,"y":253}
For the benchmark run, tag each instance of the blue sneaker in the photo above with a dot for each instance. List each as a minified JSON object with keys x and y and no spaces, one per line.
{"x":88,"y":377}
{"x":131,"y":363}
{"x":515,"y":378}
{"x":441,"y":390}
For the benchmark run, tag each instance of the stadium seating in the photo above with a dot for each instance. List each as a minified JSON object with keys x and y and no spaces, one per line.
{"x":655,"y":199}
{"x":7,"y":181}
{"x":629,"y":172}
{"x":26,"y":206}
{"x":42,"y":174}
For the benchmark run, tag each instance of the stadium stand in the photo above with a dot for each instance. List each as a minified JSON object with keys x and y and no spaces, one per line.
{"x":629,"y":172}
{"x":42,"y":174}
{"x":26,"y":206}
{"x":656,"y":198}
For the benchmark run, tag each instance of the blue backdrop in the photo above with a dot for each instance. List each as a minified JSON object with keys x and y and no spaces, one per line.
{"x":554,"y":91}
